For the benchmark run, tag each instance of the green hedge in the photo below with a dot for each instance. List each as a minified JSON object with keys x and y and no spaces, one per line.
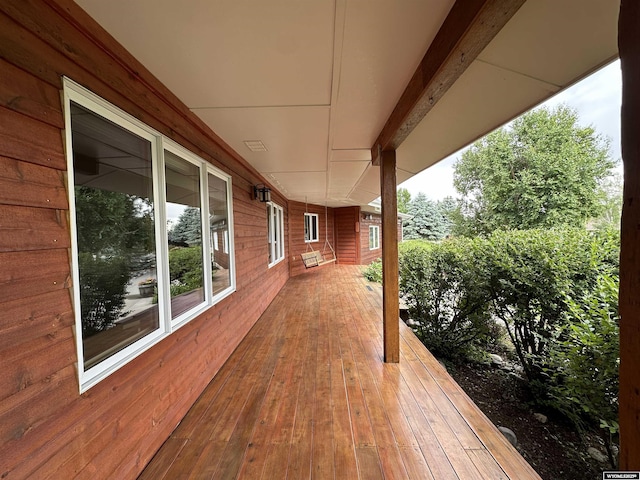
{"x":447,"y":296}
{"x":554,"y":291}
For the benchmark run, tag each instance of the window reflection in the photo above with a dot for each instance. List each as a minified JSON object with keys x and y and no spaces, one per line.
{"x":219,"y":224}
{"x":115,"y":232}
{"x":184,"y":215}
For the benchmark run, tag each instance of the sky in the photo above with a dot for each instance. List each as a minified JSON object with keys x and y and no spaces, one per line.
{"x":597,"y":100}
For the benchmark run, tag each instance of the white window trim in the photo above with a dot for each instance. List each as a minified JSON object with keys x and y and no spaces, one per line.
{"x":313,"y":218}
{"x":230,"y":250}
{"x":277,"y":249}
{"x":85,"y":98}
{"x":375,"y":236}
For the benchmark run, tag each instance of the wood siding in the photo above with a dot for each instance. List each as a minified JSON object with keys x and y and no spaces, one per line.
{"x":46,"y":427}
{"x":366,"y":254}
{"x":347,"y":235}
{"x":296,"y":244}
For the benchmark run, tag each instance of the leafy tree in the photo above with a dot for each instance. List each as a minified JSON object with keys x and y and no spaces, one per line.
{"x":188,"y":229}
{"x":111,"y":222}
{"x":404,"y":198}
{"x":543,"y":171}
{"x":427,"y":221}
{"x":115,"y":232}
{"x":611,"y":201}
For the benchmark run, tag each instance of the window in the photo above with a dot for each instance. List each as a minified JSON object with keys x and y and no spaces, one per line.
{"x":374,"y":237}
{"x":220,"y":223}
{"x":141,"y":233}
{"x":275,"y":232}
{"x":184,"y":239}
{"x":310,"y":227}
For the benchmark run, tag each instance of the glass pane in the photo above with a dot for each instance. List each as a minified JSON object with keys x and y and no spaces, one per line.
{"x":184,"y":224}
{"x":314,"y":228}
{"x":219,"y":224}
{"x":269,"y":232}
{"x":116,"y":240}
{"x":276,"y":234}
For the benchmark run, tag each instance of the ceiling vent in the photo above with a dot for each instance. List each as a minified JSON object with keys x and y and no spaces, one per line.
{"x":255,"y":145}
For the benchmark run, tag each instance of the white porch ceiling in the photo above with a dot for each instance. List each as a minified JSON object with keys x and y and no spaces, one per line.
{"x":316,"y":80}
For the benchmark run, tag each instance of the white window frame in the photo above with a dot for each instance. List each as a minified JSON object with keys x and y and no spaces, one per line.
{"x":229,"y":234}
{"x":310,"y":220}
{"x":374,"y":234}
{"x":275,"y":225}
{"x":73,"y":92}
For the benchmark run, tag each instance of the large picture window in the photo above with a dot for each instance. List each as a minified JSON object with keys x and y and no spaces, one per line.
{"x":310,"y":227}
{"x":144,"y":212}
{"x":275,"y":229}
{"x":116,"y":247}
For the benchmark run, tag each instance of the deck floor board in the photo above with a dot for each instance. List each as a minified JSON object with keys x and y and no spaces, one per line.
{"x":307,"y":395}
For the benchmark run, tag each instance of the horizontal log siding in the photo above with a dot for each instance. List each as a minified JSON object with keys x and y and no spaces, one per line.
{"x":111,"y":431}
{"x":297,"y":245}
{"x":347,"y":237}
{"x":367,"y":255}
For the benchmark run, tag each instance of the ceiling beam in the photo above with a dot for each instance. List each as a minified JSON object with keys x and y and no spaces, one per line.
{"x":468,"y":28}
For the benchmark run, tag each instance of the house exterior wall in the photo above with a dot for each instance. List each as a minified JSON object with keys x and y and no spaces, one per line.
{"x":297,"y":244}
{"x":347,"y":235}
{"x":367,"y":255}
{"x":47,"y":428}
{"x":221,"y":257}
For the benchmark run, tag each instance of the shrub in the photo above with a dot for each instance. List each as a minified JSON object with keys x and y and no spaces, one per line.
{"x":530,"y":273}
{"x":373,"y":271}
{"x":584,"y":360}
{"x":447,"y":296}
{"x":185,"y":268}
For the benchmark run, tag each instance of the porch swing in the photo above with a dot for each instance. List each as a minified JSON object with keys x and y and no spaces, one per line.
{"x":316,"y":258}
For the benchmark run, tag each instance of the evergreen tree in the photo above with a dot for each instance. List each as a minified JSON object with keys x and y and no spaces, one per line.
{"x":427,"y":221}
{"x":188,"y":229}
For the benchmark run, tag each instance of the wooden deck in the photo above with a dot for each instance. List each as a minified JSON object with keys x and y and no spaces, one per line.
{"x":306,"y":395}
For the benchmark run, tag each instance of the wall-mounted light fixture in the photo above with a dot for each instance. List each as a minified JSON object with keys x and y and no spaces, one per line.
{"x":367,"y":216}
{"x":262,"y":193}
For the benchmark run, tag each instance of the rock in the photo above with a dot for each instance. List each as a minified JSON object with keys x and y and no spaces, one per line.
{"x":615,"y":451}
{"x":540,"y":417}
{"x":496,"y":360}
{"x":597,"y":455}
{"x":508,"y":433}
{"x":443,"y":365}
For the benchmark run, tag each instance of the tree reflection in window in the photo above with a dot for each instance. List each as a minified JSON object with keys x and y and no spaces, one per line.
{"x":186,"y":270}
{"x":115,"y":233}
